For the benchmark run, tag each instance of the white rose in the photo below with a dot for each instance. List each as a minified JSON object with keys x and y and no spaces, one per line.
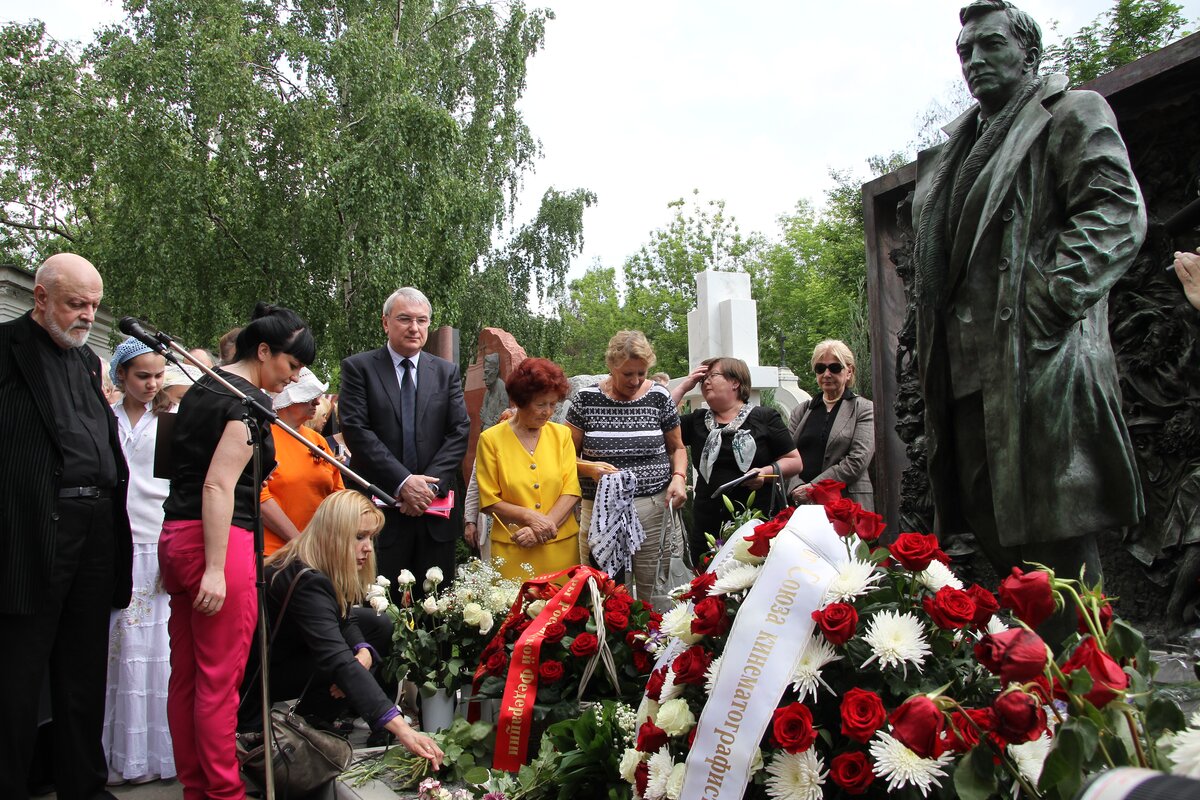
{"x":472,"y":613}
{"x":675,"y":717}
{"x":380,"y":604}
{"x":406,"y":578}
{"x":629,"y":765}
{"x":741,"y":552}
{"x":648,"y":710}
{"x":434,"y":575}
{"x":675,"y":782}
{"x":486,"y":621}
{"x":535,"y":608}
{"x":382,"y":581}
{"x":757,"y":763}
{"x":443,"y":604}
{"x":374,"y":591}
{"x":430,"y":605}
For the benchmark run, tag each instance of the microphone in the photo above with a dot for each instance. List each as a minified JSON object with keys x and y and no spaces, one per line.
{"x":132,"y":326}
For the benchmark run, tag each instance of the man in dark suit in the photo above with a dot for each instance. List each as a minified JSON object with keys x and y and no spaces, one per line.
{"x":405,"y":423}
{"x":65,"y":547}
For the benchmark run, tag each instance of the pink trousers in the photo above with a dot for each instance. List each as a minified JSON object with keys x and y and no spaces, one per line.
{"x":208,"y":658}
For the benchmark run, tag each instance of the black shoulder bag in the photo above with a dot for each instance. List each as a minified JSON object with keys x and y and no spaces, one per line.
{"x":304,"y":758}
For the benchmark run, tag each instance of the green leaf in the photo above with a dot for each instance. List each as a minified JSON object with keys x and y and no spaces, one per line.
{"x":477,"y":776}
{"x":1163,"y":715}
{"x":975,"y":777}
{"x":1064,"y":765}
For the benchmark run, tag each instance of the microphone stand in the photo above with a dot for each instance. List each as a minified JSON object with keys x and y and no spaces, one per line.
{"x":165,"y":344}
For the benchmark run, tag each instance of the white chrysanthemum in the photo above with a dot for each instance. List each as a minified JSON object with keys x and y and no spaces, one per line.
{"x":734,"y":576}
{"x":995,"y":625}
{"x":675,"y":718}
{"x":675,"y":782}
{"x":661,"y":765}
{"x":678,"y":623}
{"x":741,"y":552}
{"x":670,"y":689}
{"x":535,"y":608}
{"x":380,"y":604}
{"x":901,"y":767}
{"x":1185,"y":755}
{"x":1030,"y":757}
{"x":710,"y":675}
{"x":629,"y":764}
{"x":896,"y":640}
{"x":1194,"y":722}
{"x":796,"y":776}
{"x":806,"y":675}
{"x":937,"y":575}
{"x":854,"y":580}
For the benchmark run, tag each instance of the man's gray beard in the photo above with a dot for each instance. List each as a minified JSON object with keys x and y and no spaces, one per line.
{"x":62,"y":337}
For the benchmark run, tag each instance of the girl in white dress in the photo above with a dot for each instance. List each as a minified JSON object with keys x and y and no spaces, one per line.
{"x":137,"y":742}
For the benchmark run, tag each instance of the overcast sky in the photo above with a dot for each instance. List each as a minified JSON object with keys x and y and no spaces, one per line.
{"x":751,"y":102}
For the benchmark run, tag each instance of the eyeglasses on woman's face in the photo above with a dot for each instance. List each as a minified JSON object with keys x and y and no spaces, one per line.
{"x":710,"y":375}
{"x":835,"y":368}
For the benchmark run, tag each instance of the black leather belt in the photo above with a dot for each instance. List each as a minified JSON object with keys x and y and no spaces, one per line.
{"x":92,"y":492}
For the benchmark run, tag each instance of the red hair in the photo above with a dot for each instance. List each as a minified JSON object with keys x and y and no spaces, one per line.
{"x":533,"y":377}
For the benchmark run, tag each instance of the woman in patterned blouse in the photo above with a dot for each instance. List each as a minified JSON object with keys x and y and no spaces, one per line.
{"x":630,"y":424}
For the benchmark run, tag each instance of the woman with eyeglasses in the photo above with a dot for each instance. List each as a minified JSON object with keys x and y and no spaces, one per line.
{"x":301,"y":480}
{"x":729,"y":439}
{"x":834,"y":433}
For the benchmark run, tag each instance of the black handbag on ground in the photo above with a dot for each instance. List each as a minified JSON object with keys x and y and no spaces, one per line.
{"x":305,"y":758}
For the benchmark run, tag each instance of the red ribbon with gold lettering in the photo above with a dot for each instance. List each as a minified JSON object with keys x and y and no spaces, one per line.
{"x":520,"y":690}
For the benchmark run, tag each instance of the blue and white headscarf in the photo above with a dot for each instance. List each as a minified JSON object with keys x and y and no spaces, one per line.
{"x":128,"y":350}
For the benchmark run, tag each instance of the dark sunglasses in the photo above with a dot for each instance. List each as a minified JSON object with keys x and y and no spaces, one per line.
{"x":834,"y":368}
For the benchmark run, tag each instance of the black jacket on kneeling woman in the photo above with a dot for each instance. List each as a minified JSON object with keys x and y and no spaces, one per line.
{"x":315,"y":641}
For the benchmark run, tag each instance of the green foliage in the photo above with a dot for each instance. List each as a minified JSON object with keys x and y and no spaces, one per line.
{"x":590,"y":749}
{"x":467,"y":747}
{"x":658,"y":290}
{"x":1124,"y":33}
{"x":811,"y":284}
{"x":209,"y":154}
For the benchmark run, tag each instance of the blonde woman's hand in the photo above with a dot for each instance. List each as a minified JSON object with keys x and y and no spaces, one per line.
{"x":676,"y":492}
{"x":594,"y":470}
{"x":417,"y":743}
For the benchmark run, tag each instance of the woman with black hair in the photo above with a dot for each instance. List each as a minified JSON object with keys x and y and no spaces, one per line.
{"x":206,"y":551}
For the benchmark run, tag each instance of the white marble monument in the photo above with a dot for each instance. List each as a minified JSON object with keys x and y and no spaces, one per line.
{"x":725,"y":323}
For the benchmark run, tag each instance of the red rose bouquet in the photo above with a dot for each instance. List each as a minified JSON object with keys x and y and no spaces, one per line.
{"x":572,"y":637}
{"x":818,"y":662}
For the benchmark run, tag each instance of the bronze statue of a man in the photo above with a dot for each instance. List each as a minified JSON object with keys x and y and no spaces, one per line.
{"x":1025,"y":219}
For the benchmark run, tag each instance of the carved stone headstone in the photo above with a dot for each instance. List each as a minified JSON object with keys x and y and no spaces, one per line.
{"x":507,"y":354}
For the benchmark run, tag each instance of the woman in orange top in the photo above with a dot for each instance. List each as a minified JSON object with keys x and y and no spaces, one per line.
{"x":301,"y":480}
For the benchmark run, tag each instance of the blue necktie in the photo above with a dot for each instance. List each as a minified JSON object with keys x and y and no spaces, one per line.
{"x":408,"y":415}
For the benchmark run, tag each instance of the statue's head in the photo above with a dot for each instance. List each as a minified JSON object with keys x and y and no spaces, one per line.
{"x":491,"y":369}
{"x":999,"y":48}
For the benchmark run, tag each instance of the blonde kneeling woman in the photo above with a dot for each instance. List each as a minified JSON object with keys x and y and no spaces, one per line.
{"x":327,"y":647}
